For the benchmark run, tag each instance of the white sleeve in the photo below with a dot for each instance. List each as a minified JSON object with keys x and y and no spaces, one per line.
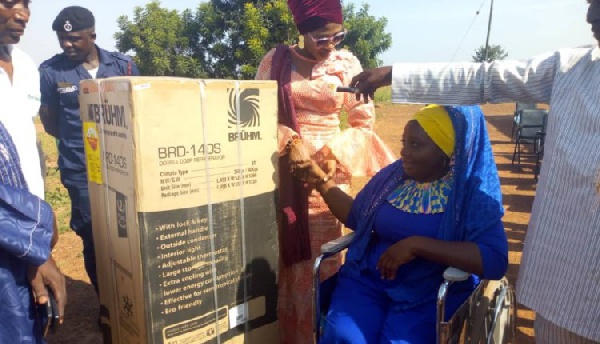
{"x":30,"y":69}
{"x":528,"y":81}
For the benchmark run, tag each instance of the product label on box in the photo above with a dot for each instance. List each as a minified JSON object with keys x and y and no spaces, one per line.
{"x":93,"y":152}
{"x":121,"y":214}
{"x":193,"y":264}
{"x":107,"y":123}
{"x":223,"y":150}
{"x":198,"y":330}
{"x":183,"y":182}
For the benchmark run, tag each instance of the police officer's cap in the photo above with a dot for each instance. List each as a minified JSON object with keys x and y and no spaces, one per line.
{"x":72,"y":19}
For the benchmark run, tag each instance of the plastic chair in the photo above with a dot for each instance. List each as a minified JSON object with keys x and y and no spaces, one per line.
{"x":517,"y":116}
{"x":487,"y":316}
{"x":531,"y":123}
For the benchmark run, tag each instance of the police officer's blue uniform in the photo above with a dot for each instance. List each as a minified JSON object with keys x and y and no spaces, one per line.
{"x":59,"y":86}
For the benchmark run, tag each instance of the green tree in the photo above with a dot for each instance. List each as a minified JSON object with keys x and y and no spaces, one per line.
{"x":233,"y":36}
{"x":157,"y":37}
{"x":243,"y":31}
{"x":228,"y":38}
{"x":262,"y":28}
{"x":495,"y":52}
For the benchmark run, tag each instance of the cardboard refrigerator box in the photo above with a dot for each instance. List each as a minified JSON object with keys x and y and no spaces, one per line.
{"x":182,"y":177}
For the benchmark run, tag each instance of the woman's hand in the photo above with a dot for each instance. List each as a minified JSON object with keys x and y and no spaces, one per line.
{"x":298,"y":152}
{"x":398,"y":254}
{"x":308,"y":171}
{"x":329,"y":167}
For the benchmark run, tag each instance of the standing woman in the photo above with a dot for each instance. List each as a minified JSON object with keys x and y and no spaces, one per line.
{"x":309,"y":118}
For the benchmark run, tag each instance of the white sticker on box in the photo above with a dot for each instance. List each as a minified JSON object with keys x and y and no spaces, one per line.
{"x":142,"y":87}
{"x":238,"y":315}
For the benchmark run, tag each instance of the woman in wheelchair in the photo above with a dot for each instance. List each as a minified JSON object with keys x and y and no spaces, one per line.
{"x":438,"y":206}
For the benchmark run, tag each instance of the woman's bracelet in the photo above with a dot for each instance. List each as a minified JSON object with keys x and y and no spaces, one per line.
{"x":292,"y":141}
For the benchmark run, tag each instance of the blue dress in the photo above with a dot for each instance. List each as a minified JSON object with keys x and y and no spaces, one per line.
{"x":363,"y":307}
{"x":367,"y":309}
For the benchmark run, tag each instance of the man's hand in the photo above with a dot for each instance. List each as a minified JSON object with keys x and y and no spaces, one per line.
{"x":49,"y":275}
{"x":370,"y":80}
{"x":49,"y":118}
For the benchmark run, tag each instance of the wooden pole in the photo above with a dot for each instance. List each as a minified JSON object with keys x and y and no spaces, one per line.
{"x":487,"y":40}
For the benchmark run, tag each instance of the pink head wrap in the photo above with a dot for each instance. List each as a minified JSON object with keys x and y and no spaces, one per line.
{"x":310,"y":15}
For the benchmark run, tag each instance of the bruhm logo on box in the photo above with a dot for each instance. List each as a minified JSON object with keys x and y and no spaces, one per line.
{"x":107,"y":114}
{"x":248,"y":120}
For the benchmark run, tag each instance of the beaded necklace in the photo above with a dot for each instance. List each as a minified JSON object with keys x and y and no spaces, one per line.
{"x":422,"y":198}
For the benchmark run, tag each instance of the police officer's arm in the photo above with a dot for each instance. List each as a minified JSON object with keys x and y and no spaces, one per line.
{"x":49,"y":110}
{"x":49,"y":117}
{"x":134,"y":69}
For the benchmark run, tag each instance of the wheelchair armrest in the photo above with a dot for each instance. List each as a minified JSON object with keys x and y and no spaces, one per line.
{"x":337,"y":245}
{"x":455,"y":275}
{"x":327,"y":250}
{"x":517,"y":116}
{"x":451,"y":275}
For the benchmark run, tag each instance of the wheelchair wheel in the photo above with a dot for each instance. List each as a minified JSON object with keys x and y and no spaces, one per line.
{"x":503,"y":315}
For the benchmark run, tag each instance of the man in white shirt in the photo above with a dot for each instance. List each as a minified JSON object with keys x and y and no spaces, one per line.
{"x":21,"y":105}
{"x":560,"y":270}
{"x":26,"y":221}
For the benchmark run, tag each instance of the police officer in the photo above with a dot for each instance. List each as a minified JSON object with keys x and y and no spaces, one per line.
{"x":60,"y":76}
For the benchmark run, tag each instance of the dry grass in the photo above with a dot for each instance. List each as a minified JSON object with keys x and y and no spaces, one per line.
{"x":56,"y":194}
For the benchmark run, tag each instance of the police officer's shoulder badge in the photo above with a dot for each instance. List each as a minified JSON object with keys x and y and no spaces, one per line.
{"x":68,"y":27}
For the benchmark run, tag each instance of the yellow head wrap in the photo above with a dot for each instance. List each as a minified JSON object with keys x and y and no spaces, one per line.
{"x":436,"y":122}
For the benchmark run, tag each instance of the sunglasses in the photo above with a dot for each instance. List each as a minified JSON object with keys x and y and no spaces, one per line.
{"x":322,"y":42}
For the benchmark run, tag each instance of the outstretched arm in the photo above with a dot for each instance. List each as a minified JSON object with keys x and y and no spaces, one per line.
{"x":370,"y":80}
{"x":339,"y":202}
{"x":525,"y":81}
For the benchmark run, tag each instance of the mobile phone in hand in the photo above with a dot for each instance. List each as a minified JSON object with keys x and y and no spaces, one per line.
{"x":347,"y":89}
{"x":48,"y":314}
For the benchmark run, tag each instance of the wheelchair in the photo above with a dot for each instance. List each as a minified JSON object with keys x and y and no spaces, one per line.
{"x":487,"y":316}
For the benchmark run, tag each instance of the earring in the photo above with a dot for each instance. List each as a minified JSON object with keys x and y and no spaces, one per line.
{"x":301,"y":42}
{"x":447,"y":165}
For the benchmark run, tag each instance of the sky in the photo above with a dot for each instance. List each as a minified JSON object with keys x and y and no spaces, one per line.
{"x":422,"y":30}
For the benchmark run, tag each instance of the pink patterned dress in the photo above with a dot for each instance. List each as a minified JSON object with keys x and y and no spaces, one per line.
{"x":358,"y":151}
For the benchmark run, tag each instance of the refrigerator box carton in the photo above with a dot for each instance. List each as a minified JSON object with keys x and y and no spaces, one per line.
{"x":182,"y":177}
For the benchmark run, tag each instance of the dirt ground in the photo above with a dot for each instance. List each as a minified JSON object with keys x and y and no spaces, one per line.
{"x":518,"y":190}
